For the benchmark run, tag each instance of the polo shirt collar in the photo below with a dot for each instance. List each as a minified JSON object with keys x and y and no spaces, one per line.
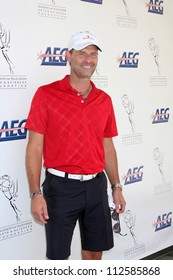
{"x":65,"y":85}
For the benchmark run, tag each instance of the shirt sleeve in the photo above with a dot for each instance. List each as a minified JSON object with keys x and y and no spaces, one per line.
{"x":37,"y":117}
{"x":111,"y":126}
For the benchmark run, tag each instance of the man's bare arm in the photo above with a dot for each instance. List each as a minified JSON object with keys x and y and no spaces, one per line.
{"x":34,"y":153}
{"x":112,"y":173}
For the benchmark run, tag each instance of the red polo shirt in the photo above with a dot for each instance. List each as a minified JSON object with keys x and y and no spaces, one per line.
{"x":73,"y":128}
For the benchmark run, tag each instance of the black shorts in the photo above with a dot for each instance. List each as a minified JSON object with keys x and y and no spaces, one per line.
{"x":69,"y":200}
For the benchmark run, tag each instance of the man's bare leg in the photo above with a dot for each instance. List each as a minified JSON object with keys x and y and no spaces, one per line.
{"x":89,"y":255}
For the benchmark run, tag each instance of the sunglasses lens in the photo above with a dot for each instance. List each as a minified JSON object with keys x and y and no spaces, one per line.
{"x":115,"y":216}
{"x":116,"y":228}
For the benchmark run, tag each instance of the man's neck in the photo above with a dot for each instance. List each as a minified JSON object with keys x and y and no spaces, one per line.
{"x":83,"y":86}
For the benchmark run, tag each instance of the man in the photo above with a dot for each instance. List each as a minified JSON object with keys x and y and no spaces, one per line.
{"x":71,"y":124}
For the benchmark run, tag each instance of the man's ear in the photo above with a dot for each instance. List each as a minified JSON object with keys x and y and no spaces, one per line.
{"x":68,"y":56}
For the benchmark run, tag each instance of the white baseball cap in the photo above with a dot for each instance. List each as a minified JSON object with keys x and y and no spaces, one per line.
{"x":81,"y":40}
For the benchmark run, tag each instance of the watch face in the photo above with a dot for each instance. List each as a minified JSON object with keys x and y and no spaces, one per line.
{"x":32,"y":194}
{"x":119,"y":186}
{"x":116,"y":186}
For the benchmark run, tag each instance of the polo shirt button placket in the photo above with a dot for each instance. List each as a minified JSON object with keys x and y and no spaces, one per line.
{"x":78,"y":94}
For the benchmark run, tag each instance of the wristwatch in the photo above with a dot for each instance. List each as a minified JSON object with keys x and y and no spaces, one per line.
{"x":38,"y":191}
{"x":114,"y":186}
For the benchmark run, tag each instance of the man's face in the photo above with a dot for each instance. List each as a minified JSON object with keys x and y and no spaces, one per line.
{"x":83,"y":62}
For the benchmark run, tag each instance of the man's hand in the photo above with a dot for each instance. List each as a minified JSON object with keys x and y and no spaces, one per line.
{"x":39,"y":208}
{"x":119,"y":200}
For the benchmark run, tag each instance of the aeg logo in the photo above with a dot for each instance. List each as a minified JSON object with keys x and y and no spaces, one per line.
{"x":134,"y":175}
{"x":161,"y":116}
{"x":53,"y":57}
{"x":129,"y":60}
{"x":163,"y":221}
{"x":13,"y":131}
{"x":155,"y":6}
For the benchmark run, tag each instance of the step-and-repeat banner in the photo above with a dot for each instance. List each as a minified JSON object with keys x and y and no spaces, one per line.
{"x":135,"y":69}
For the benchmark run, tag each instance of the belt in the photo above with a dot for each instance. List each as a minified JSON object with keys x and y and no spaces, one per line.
{"x":80,"y":177}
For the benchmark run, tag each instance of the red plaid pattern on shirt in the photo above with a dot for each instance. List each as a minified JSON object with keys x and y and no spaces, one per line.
{"x":73,"y":128}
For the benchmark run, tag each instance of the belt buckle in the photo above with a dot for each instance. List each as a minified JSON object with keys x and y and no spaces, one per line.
{"x":82,"y":177}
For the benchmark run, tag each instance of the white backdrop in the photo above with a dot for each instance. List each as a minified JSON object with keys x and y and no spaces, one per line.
{"x":135,"y":68}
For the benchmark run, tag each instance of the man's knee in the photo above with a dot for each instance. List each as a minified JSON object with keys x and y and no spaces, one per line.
{"x":90,"y":255}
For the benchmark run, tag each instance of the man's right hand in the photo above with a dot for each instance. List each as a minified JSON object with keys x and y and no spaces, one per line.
{"x":39,"y":208}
